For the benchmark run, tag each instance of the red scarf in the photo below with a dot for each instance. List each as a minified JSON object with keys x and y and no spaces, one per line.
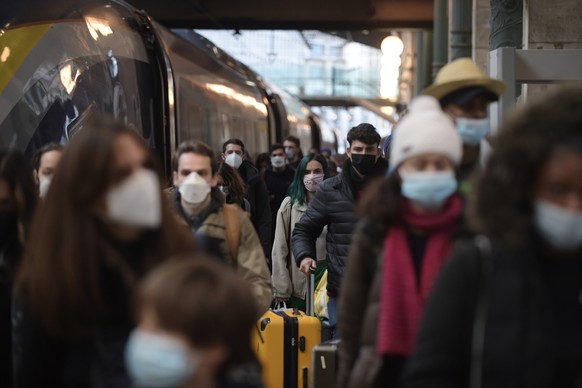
{"x":402,"y":300}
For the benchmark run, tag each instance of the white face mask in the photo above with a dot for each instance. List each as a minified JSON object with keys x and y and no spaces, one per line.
{"x":558,"y":226}
{"x":194,"y":189}
{"x":136,"y":201}
{"x":277,"y":161}
{"x":44,"y":184}
{"x":234,"y":160}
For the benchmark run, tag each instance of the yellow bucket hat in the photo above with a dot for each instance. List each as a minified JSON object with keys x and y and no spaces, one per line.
{"x":459,"y":74}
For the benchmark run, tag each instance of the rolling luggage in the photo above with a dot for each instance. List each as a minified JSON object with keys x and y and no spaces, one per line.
{"x":284,"y":341}
{"x":325,"y":365}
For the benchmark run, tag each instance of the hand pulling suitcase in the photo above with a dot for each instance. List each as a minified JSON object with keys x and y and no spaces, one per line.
{"x":325,"y":365}
{"x":283,"y":342}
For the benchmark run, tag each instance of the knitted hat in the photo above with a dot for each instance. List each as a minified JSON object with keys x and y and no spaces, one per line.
{"x":425,"y":129}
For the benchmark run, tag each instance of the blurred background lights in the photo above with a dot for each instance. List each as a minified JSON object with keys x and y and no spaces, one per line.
{"x":392,"y":45}
{"x":392,"y":48}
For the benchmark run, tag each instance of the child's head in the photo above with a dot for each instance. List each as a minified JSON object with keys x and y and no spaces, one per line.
{"x":195,"y":315}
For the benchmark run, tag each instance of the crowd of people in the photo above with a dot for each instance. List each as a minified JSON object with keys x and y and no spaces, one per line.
{"x":452,"y":256}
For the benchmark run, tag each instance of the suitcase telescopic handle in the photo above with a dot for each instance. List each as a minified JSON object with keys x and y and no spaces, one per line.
{"x":309,"y":299}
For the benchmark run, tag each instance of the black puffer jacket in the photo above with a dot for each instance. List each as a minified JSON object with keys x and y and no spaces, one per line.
{"x":333,"y":206}
{"x":258,"y":196}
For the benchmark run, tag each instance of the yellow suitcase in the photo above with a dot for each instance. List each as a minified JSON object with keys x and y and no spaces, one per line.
{"x":283,"y":342}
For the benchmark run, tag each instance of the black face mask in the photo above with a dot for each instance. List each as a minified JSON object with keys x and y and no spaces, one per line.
{"x":363,"y":163}
{"x":8,"y":226}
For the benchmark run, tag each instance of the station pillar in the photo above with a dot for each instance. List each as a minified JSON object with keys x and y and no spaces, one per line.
{"x":424,"y":50}
{"x":440,"y":55}
{"x":461,"y":28}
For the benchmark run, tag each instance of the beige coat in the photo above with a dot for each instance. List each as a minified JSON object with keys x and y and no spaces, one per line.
{"x":252,"y":265}
{"x":286,"y":277}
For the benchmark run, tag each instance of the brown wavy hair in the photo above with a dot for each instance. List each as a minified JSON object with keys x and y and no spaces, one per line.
{"x":502,"y":206}
{"x":232,"y":180}
{"x":59,"y":280}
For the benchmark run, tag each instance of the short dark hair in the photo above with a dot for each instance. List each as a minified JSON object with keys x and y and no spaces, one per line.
{"x":294,"y":139}
{"x":233,"y":141}
{"x":366,"y":133}
{"x":276,"y":146}
{"x":195,"y":147}
{"x":262,"y":157}
{"x":46,"y":148}
{"x":189,"y":295}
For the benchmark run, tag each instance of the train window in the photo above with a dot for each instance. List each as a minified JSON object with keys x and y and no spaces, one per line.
{"x":226,"y":127}
{"x":194,"y":117}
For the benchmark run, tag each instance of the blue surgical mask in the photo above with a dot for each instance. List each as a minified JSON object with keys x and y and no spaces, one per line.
{"x":290,"y":153}
{"x":559,"y":227}
{"x":428,"y":189}
{"x":155,"y":360}
{"x":472,"y":131}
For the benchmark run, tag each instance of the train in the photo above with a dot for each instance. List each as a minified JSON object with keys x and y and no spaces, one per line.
{"x":64,"y":62}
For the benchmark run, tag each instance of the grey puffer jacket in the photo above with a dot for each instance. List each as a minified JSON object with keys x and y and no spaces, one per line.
{"x":333,"y":206}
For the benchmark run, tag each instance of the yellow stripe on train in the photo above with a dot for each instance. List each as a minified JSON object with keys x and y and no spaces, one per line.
{"x":15,"y":45}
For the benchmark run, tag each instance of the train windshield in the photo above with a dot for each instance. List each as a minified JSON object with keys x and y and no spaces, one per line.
{"x":60,"y":67}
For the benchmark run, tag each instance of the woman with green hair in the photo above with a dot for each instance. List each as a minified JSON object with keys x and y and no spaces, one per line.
{"x":289,"y":284}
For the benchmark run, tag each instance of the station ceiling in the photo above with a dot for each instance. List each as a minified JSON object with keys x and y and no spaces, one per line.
{"x":365,"y":21}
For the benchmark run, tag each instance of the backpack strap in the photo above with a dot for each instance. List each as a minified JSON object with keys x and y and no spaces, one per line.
{"x":232,"y":229}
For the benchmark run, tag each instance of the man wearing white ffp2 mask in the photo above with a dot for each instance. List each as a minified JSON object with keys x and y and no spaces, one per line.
{"x":233,"y":154}
{"x":194,"y":190}
{"x":220,"y":229}
{"x":278,"y":176}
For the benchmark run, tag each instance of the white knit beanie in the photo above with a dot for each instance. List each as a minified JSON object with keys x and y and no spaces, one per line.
{"x":425,"y":129}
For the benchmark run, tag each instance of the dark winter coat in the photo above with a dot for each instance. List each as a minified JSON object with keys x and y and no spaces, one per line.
{"x":94,"y":359}
{"x":532,"y":338}
{"x":358,"y":308}
{"x":8,"y":258}
{"x":278,"y":187}
{"x":333,"y":206}
{"x":258,"y":196}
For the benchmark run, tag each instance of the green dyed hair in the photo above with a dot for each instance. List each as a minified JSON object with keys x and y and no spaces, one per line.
{"x":297,"y":190}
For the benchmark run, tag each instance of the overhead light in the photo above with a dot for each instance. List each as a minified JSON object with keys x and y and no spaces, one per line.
{"x":392,"y":45}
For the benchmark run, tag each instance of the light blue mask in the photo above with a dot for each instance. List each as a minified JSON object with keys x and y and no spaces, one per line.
{"x":559,"y":227}
{"x":154,"y":360}
{"x":472,"y":131}
{"x":428,"y":189}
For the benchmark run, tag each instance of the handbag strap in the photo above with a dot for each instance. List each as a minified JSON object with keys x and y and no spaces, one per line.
{"x":478,"y":336}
